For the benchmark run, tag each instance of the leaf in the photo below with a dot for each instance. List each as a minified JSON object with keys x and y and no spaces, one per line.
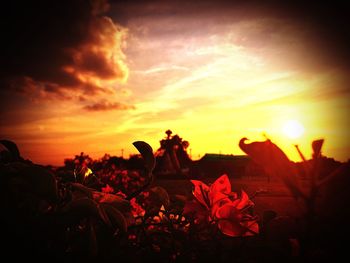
{"x":103,"y":215}
{"x":93,"y":246}
{"x":116,"y":218}
{"x":178,"y":200}
{"x":147,"y":154}
{"x":83,"y":189}
{"x":316,"y":147}
{"x":268,"y":215}
{"x":41,"y":180}
{"x":12,"y":148}
{"x":295,"y":247}
{"x":88,"y":172}
{"x":343,"y":168}
{"x":266,"y":154}
{"x":82,"y":207}
{"x":81,"y":172}
{"x":114,"y":200}
{"x":195,"y":210}
{"x":251,"y":227}
{"x":275,"y":162}
{"x":159,"y":196}
{"x":281,"y":228}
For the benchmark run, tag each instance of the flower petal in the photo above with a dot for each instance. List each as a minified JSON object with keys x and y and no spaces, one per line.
{"x":218,"y":204}
{"x":244,"y":201}
{"x":228,"y":211}
{"x":231,"y":228}
{"x":200,"y":192}
{"x":219,"y":189}
{"x":236,"y":228}
{"x":251,"y":228}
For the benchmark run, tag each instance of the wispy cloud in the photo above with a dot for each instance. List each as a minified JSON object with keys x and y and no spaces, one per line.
{"x":107,"y":106}
{"x":161,"y":69}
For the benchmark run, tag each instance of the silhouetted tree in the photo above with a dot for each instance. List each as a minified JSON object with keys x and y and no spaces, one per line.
{"x":172,"y":154}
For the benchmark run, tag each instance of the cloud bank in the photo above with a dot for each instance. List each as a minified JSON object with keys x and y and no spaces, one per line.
{"x":62,"y":50}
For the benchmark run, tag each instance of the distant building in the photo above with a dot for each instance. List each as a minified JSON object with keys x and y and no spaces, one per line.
{"x":214,"y":165}
{"x":173,"y":161}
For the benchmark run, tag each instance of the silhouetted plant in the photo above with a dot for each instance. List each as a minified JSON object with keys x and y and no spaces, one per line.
{"x":320,"y":218}
{"x":172,"y":154}
{"x":102,"y":211}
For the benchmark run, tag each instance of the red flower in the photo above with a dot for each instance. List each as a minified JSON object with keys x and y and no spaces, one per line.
{"x":136,"y":209}
{"x":225,"y":207}
{"x":108,"y":189}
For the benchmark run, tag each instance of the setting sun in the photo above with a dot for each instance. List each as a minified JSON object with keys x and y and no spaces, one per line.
{"x":175,"y":131}
{"x":213,"y":72}
{"x":293,"y":129}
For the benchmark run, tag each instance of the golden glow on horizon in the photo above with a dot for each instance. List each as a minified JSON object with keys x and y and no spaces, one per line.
{"x":209,"y":90}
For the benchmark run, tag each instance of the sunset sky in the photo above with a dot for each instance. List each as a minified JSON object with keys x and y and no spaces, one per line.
{"x":94,"y":76}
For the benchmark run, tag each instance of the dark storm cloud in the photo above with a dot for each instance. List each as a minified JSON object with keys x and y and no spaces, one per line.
{"x":107,"y":106}
{"x":58,"y":46}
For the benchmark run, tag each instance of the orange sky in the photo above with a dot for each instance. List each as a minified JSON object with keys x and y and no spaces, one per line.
{"x":212,"y":76}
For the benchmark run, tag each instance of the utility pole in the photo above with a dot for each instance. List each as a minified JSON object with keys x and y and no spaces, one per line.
{"x":122,"y":150}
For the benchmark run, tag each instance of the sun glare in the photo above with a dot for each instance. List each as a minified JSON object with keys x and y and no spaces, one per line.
{"x":293,"y":129}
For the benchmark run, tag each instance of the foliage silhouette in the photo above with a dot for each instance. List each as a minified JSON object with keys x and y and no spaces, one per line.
{"x":117,"y":214}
